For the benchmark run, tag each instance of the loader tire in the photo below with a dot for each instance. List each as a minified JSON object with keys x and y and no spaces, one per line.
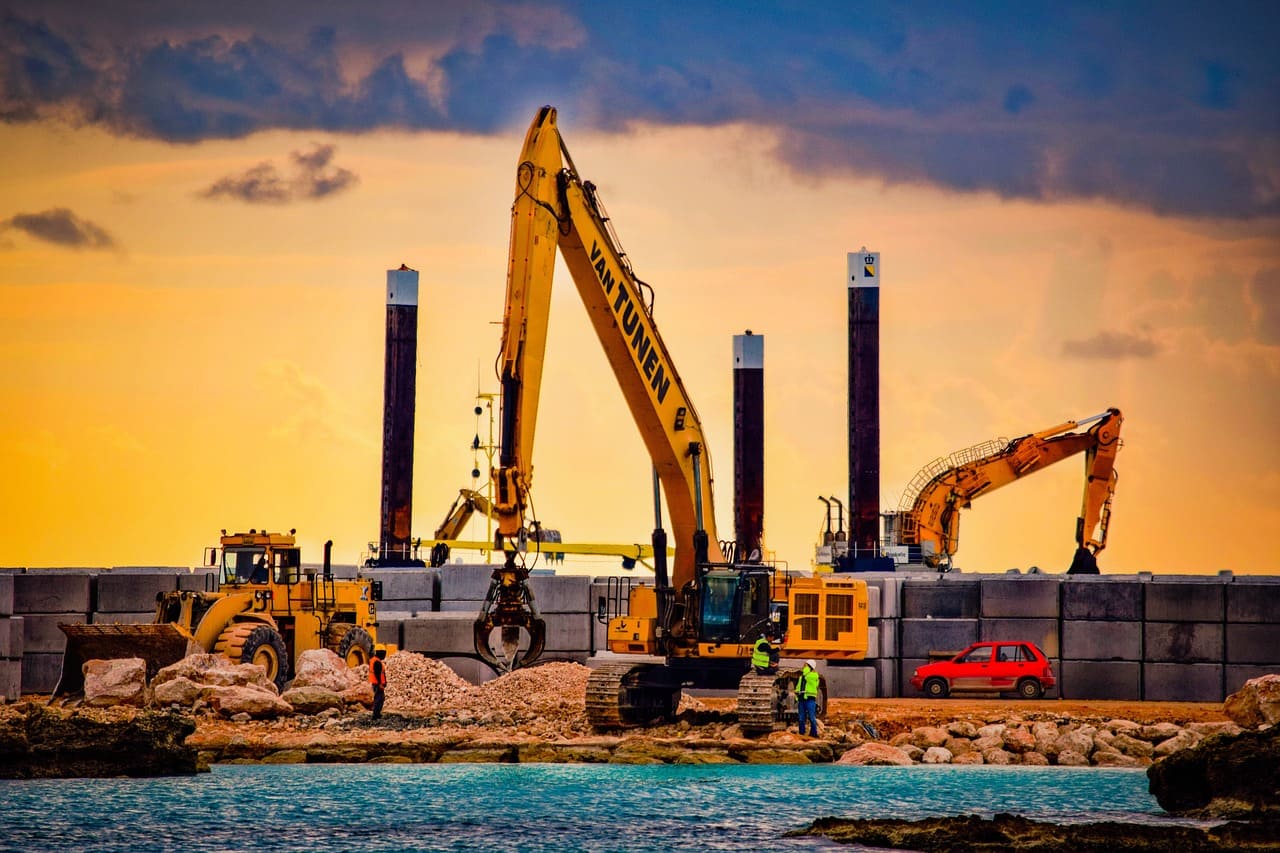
{"x":350,"y":642}
{"x":248,"y":642}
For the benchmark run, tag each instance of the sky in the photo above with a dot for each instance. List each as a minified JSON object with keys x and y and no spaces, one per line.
{"x":1077,"y":207}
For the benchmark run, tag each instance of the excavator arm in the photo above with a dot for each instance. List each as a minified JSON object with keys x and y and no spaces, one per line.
{"x":931,"y":514}
{"x":555,"y":209}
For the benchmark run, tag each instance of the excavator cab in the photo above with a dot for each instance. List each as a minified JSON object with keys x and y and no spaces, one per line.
{"x":734,"y":604}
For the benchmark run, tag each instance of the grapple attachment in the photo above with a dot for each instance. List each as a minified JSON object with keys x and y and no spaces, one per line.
{"x":509,"y":605}
{"x":158,"y":644}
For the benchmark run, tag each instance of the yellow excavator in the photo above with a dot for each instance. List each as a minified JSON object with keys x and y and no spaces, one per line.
{"x":265,"y":609}
{"x":704,"y":617}
{"x":929,"y":513}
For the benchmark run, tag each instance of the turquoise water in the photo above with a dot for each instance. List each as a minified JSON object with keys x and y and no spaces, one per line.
{"x":368,"y":808}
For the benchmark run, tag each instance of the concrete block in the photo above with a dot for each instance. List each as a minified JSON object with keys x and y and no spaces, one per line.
{"x":887,"y":678}
{"x":850,"y":682}
{"x":1182,"y":682}
{"x":890,"y":595}
{"x":467,"y":606}
{"x":388,"y":630}
{"x":887,"y":632}
{"x":562,"y":593}
{"x":201,"y":580}
{"x":11,"y":680}
{"x":1102,"y":640}
{"x":51,"y":592}
{"x":40,"y":672}
{"x":946,"y":599}
{"x":471,"y":670}
{"x":6,"y":595}
{"x":1087,"y":679}
{"x":11,"y":637}
{"x":1097,"y":598}
{"x":905,"y":671}
{"x":922,"y":636}
{"x":40,"y":632}
{"x":1042,"y":632}
{"x":440,"y":634}
{"x":873,"y":601}
{"x":1253,"y":600}
{"x":132,"y":592}
{"x":1185,"y":600}
{"x":568,"y":632}
{"x":1183,"y":642}
{"x":122,"y":618}
{"x":873,"y":642}
{"x":410,"y":606}
{"x":408,"y":584}
{"x":1019,"y":597}
{"x":1235,"y":675}
{"x":1253,"y":643}
{"x":464,"y":582}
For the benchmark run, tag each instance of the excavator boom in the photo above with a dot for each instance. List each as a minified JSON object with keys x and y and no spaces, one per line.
{"x":930,"y":512}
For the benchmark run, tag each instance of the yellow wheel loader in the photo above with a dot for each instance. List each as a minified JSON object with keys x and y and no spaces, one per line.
{"x":261,"y":608}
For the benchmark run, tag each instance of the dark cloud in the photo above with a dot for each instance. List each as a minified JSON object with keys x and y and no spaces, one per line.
{"x":1264,"y":293}
{"x":1112,"y":345}
{"x":1143,"y":104}
{"x":60,"y":227}
{"x":313,"y":177}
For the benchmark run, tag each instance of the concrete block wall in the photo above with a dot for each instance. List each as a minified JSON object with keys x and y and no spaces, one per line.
{"x":11,"y":634}
{"x":407,"y":592}
{"x":43,"y":599}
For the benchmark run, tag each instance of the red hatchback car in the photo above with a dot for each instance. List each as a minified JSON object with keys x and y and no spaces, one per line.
{"x":1001,"y":666}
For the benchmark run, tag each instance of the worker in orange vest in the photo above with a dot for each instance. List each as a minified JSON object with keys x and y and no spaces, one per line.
{"x":378,"y":678}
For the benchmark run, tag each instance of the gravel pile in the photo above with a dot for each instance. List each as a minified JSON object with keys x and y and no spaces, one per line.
{"x":418,"y":683}
{"x":550,"y":688}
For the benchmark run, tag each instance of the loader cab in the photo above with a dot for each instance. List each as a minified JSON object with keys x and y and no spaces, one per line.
{"x":260,"y":562}
{"x":734,"y":604}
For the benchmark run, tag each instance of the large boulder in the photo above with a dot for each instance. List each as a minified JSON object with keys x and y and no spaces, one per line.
{"x":216,"y":670}
{"x":1255,"y":704}
{"x":1223,"y":776}
{"x":323,"y":668}
{"x":120,"y":681}
{"x":216,"y":683}
{"x":875,"y":754}
{"x":312,"y":700}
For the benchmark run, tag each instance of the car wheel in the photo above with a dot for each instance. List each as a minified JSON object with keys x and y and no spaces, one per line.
{"x":936,"y":688}
{"x":1029,"y":688}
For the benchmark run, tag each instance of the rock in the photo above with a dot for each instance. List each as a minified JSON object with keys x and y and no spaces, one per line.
{"x":1078,"y":741}
{"x":312,"y":700}
{"x":982,"y":744}
{"x":1255,"y":704}
{"x":928,"y":736}
{"x":121,"y":681}
{"x":1157,"y":732}
{"x":43,"y":742}
{"x":1114,"y":758}
{"x":875,"y":754}
{"x":1010,"y":832}
{"x":1071,"y":758}
{"x":176,"y":691}
{"x":216,"y":670}
{"x":996,"y":756}
{"x":1046,"y":735}
{"x":1018,"y":740}
{"x":958,"y":745}
{"x":1184,"y":739}
{"x":1034,"y":759}
{"x":233,"y":700}
{"x":967,"y":758}
{"x":992,"y":730}
{"x":963,"y":729}
{"x":1226,"y":727}
{"x":324,"y":669}
{"x":1118,"y":725}
{"x":1132,"y":746}
{"x":1224,"y":776}
{"x":936,"y":755}
{"x":910,"y":750}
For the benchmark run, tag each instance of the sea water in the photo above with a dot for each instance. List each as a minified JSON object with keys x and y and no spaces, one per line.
{"x":532,"y":807}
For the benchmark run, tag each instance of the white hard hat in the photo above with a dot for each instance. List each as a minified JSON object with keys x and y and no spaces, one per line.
{"x":812,"y":664}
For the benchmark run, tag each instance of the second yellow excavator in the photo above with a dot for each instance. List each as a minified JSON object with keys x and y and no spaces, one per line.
{"x":929,"y":513}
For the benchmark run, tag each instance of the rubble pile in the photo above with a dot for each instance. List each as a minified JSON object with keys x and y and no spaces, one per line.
{"x":549,"y":689}
{"x":419,"y":683}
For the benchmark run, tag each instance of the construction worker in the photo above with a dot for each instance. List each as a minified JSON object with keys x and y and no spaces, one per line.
{"x":763,"y":657}
{"x":807,"y":697}
{"x":378,"y":678}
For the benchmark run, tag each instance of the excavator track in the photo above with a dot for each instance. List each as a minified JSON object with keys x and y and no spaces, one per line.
{"x":762,"y":701}
{"x":620,"y":695}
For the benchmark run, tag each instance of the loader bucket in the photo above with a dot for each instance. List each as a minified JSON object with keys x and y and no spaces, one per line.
{"x":157,"y":644}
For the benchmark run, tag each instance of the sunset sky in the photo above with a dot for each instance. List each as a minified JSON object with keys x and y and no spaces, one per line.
{"x":1077,"y":206}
